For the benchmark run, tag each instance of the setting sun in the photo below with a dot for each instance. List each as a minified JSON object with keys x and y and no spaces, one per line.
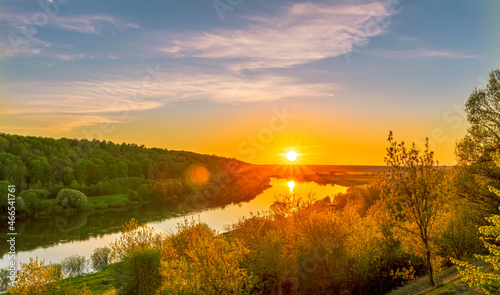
{"x":291,"y":156}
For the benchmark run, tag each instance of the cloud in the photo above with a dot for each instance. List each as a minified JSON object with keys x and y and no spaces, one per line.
{"x":90,"y":24}
{"x":87,"y":24}
{"x":421,"y":53}
{"x":302,"y":33}
{"x":114,"y":99}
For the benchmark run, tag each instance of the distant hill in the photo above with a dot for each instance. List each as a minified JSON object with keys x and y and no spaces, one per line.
{"x":44,"y":166}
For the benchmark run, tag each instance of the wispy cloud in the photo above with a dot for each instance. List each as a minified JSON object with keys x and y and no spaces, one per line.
{"x":112,"y":98}
{"x":90,"y":24}
{"x":87,"y":24}
{"x":303,"y":33}
{"x":421,"y":53}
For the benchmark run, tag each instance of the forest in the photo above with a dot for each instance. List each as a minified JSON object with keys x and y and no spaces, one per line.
{"x":417,"y":219}
{"x":42,"y":167}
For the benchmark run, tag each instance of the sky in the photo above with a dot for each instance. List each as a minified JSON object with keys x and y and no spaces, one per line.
{"x":247,"y":79}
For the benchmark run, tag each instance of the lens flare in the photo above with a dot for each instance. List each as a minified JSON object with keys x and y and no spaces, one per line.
{"x":199,"y":175}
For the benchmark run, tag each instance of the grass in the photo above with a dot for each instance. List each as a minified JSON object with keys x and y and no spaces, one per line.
{"x":448,"y":281}
{"x":99,"y":283}
{"x":94,"y":202}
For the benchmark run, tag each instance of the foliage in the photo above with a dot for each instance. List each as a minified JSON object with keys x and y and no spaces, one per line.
{"x":483,"y":114}
{"x":70,"y":198}
{"x":135,"y":237}
{"x":405,"y":274}
{"x":134,"y":196}
{"x":33,"y":198}
{"x":303,"y":246}
{"x":138,"y":272}
{"x":475,"y":151}
{"x":201,"y":262}
{"x":100,"y":258}
{"x":4,"y":279}
{"x":460,"y":239}
{"x":35,"y":278}
{"x":104,"y":168}
{"x":411,"y":190}
{"x":478,"y":276}
{"x":74,"y":265}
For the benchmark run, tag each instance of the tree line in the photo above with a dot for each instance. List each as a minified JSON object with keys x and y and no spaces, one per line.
{"x":41,"y":167}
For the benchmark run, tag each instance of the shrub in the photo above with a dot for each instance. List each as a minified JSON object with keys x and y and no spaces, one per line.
{"x":74,"y":265}
{"x":33,"y":199}
{"x":70,"y":198}
{"x":100,"y":258}
{"x":35,"y":278}
{"x":4,"y":279}
{"x":20,"y":205}
{"x":134,"y":196}
{"x":200,"y":261}
{"x":138,"y":272}
{"x":134,"y":237}
{"x":144,"y":192}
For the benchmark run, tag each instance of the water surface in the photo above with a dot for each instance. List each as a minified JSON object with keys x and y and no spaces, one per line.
{"x":56,"y":238}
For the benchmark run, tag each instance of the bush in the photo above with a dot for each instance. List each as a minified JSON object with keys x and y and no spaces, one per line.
{"x":100,"y":258}
{"x":74,"y":265}
{"x":35,"y":278}
{"x":33,"y":199}
{"x":135,"y":237}
{"x":134,"y":196}
{"x":138,"y":272}
{"x":4,"y":279}
{"x":70,"y":198}
{"x":144,"y":192}
{"x":20,"y":205}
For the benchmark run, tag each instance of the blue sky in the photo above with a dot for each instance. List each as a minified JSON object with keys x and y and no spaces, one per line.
{"x":182,"y":75}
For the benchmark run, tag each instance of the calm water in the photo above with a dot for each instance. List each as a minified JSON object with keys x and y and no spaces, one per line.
{"x":53,"y":239}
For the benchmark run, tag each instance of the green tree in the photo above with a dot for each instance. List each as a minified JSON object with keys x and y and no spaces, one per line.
{"x":479,"y":276}
{"x":71,"y":198}
{"x":411,"y":190}
{"x":483,"y":134}
{"x":475,"y":150}
{"x":33,"y":199}
{"x":138,"y":272}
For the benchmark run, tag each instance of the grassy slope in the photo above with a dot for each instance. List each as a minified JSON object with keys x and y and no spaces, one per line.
{"x":99,"y":283}
{"x":448,"y":282}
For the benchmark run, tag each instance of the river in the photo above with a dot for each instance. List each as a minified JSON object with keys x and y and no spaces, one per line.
{"x":54,"y":239}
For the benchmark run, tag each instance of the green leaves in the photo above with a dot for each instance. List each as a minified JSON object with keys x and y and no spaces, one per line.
{"x":71,"y":198}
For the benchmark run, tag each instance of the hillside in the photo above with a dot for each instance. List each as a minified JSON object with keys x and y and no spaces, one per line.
{"x":40,"y":167}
